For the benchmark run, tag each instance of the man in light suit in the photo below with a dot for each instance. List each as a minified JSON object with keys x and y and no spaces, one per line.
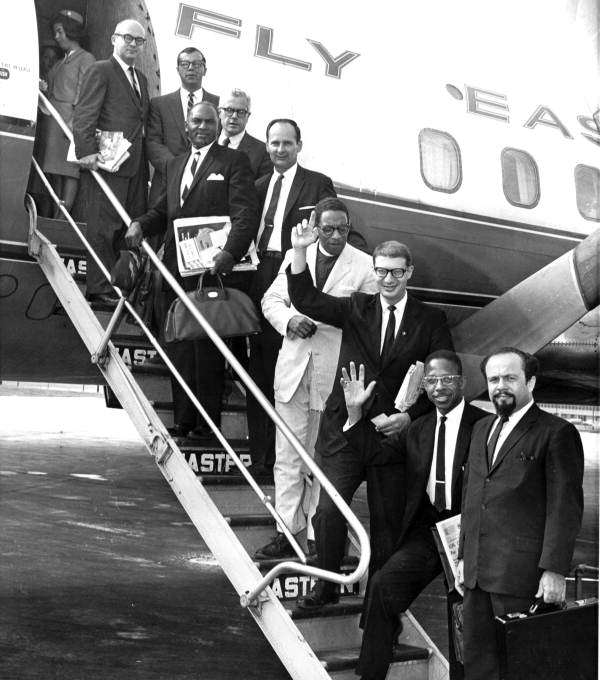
{"x":386,"y":332}
{"x":286,"y":195}
{"x":114,"y":96}
{"x":234,"y":113}
{"x":305,"y":367}
{"x":167,"y":136}
{"x":221,"y":185}
{"x":521,"y":511}
{"x":431,"y":454}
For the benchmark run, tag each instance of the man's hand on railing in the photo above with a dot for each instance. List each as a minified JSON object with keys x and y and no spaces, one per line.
{"x":89,"y":162}
{"x":134,"y":235}
{"x":355,"y":392}
{"x":222,"y":263}
{"x":300,"y":327}
{"x":305,"y":232}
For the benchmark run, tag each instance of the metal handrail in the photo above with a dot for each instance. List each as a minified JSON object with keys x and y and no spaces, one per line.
{"x":248,"y":598}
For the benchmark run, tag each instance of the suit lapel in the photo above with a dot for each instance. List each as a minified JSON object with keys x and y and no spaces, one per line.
{"x":341,"y":268}
{"x":205,"y":166}
{"x":406,"y":326}
{"x":517,"y":434}
{"x":294,"y":191}
{"x":175,"y":186}
{"x":463,"y":440}
{"x":176,"y":110}
{"x":127,"y":83}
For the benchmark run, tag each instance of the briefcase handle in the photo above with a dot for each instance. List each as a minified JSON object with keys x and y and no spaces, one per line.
{"x":541,"y":607}
{"x":210,"y":293}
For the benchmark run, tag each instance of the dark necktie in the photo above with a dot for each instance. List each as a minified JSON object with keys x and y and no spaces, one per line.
{"x":270,"y":216}
{"x":491,"y":447}
{"x":390,"y":333}
{"x":440,"y":467}
{"x":190,"y":177}
{"x":226,"y":142}
{"x":133,"y":82}
{"x":323,"y":266}
{"x":191,"y":102}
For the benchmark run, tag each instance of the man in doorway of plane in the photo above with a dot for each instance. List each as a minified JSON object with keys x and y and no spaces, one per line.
{"x":305,"y":368}
{"x":167,"y":136}
{"x":432,"y":453}
{"x":234,"y":113}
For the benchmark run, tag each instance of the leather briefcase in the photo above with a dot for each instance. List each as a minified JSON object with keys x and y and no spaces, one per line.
{"x":228,"y":310}
{"x":557,"y":645}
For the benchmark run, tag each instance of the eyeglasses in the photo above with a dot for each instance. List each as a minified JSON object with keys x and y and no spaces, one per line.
{"x":131,"y":39}
{"x":328,"y":229}
{"x":229,"y":111}
{"x":382,"y":272}
{"x":431,"y":381}
{"x":191,"y":64}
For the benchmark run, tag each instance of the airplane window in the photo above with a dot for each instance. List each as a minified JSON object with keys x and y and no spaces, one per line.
{"x":587,"y":190}
{"x":520,"y":178}
{"x":440,"y":160}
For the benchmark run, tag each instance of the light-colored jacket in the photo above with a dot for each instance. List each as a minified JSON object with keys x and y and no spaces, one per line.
{"x":353,"y":272}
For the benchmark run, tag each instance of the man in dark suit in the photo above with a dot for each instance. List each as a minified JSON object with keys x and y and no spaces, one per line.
{"x":522,"y":508}
{"x":431,"y":452}
{"x":386,"y":332}
{"x":167,"y":135}
{"x":209,"y":180}
{"x":114,"y":96}
{"x":286,"y":195}
{"x":234,"y":113}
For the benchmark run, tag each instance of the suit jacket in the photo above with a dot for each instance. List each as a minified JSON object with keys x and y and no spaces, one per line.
{"x":234,"y":195}
{"x":423,"y":330}
{"x":522,"y":516}
{"x":166,"y":136}
{"x":107,"y":101}
{"x":257,"y":153}
{"x":352,"y":271}
{"x":308,"y":188}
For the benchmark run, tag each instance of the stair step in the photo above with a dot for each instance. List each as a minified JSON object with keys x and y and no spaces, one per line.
{"x":239,"y":498}
{"x":212,"y":461}
{"x":409,"y":663}
{"x":334,"y":626}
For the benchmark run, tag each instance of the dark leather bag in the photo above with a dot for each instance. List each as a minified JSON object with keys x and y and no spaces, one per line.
{"x":228,"y":310}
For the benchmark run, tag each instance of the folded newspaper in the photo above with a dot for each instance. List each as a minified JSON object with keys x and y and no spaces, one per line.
{"x":411,"y":387}
{"x":448,"y":531}
{"x":200,"y":239}
{"x":113,"y":149}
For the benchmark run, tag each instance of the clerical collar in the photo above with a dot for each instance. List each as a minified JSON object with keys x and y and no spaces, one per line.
{"x":324,"y":252}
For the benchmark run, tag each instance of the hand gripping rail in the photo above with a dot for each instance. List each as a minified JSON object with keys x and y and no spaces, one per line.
{"x":250,"y":598}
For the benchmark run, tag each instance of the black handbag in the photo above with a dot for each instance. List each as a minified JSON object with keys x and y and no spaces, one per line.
{"x":229,"y":311}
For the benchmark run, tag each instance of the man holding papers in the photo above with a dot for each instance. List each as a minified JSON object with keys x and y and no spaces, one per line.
{"x":209,"y":180}
{"x":387,"y":332}
{"x":432,"y":453}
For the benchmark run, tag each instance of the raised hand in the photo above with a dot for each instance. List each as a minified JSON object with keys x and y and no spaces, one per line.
{"x":353,"y":385}
{"x":305,"y":233}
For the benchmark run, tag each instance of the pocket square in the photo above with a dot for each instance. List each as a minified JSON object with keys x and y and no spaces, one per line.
{"x":215,"y":177}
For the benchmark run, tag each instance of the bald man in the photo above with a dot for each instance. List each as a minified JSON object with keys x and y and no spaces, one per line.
{"x":114,"y":96}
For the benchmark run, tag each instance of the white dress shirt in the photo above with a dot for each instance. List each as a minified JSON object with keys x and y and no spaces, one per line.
{"x":453,"y":419}
{"x":509,"y":426}
{"x":187,"y":177}
{"x":288,"y":178}
{"x":385,"y":316}
{"x":184,"y":94}
{"x":125,"y":68}
{"x":234,"y":140}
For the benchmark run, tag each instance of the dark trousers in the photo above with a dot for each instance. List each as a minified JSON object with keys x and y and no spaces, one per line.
{"x":480,"y":651}
{"x":105,"y":229}
{"x":346,"y":470}
{"x":264,"y":349}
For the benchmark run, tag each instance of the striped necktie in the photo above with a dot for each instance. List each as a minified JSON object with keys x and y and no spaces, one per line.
{"x":133,"y":82}
{"x":190,"y":176}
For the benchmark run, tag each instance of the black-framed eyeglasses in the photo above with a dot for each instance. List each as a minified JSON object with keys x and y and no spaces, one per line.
{"x":229,"y":111}
{"x":199,"y":63}
{"x":431,"y":380}
{"x":328,"y":229}
{"x":131,"y":39}
{"x":382,"y":272}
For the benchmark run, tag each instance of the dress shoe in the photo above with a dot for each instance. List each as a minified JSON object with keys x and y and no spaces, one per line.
{"x":318,"y":598}
{"x":311,"y":548}
{"x":201,"y":434}
{"x":104,"y":299}
{"x":178,"y":432}
{"x":279,"y":547}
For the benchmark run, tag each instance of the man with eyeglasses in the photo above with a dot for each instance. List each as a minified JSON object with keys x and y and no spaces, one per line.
{"x":427,"y":460}
{"x":167,"y":135}
{"x":387,"y":332}
{"x":113,"y":97}
{"x":234,"y":113}
{"x":305,"y":368}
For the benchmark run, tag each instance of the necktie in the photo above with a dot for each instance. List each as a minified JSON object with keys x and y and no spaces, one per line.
{"x":226,"y":142}
{"x":190,"y":101}
{"x":323,"y":266}
{"x":440,"y":467}
{"x":491,"y":447}
{"x":270,"y":216}
{"x":190,"y":176}
{"x":133,"y":82}
{"x":390,"y":333}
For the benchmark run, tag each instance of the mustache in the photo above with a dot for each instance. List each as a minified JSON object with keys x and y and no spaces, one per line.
{"x":503,"y":393}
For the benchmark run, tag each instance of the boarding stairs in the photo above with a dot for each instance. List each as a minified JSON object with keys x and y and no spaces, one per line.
{"x":233,"y":514}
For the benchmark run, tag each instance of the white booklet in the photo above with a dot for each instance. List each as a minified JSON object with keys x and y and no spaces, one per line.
{"x":113,"y":149}
{"x":411,"y":387}
{"x":449,"y":532}
{"x":200,"y":239}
